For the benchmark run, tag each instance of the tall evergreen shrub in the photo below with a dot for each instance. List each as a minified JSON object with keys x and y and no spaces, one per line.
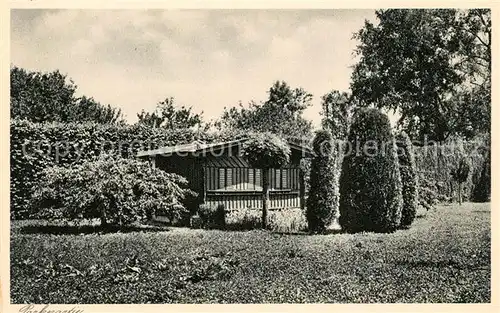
{"x":322,"y":203}
{"x":370,"y":183}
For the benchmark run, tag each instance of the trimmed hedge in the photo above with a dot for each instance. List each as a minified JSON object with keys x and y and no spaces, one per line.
{"x":323,"y":201}
{"x":37,"y":146}
{"x":370,"y":183}
{"x":408,"y":174}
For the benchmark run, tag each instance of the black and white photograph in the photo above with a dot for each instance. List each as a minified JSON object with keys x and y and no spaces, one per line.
{"x":249,"y":156}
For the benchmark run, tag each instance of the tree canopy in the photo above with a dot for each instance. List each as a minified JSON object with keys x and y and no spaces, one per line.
{"x":167,"y":115}
{"x":432,"y":66}
{"x":266,"y":150}
{"x":280,"y":114}
{"x":50,"y":97}
{"x":337,"y":109}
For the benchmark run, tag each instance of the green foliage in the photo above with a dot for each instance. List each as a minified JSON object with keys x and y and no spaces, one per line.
{"x":244,"y":219}
{"x":287,"y":221}
{"x":212,"y":217}
{"x":482,"y":187}
{"x":283,"y":221}
{"x":266,"y":150}
{"x":50,"y":97}
{"x":118,"y":191}
{"x":323,"y":201}
{"x":168,"y":116}
{"x":370,"y":183}
{"x":37,"y":146}
{"x":409,"y":177}
{"x":281,"y":114}
{"x":473,"y":28}
{"x":428,"y":195}
{"x":89,"y":110}
{"x":337,"y":110}
{"x":424,"y":63}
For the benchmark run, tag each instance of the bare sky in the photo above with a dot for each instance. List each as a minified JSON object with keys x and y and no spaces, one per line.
{"x":133,"y":59}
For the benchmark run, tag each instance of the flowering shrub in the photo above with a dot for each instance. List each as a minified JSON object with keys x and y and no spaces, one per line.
{"x":118,"y":191}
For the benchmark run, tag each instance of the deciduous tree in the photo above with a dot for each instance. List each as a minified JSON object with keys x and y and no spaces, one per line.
{"x":337,"y":109}
{"x":50,"y":97}
{"x":167,"y":115}
{"x":280,"y":114}
{"x":432,"y":66}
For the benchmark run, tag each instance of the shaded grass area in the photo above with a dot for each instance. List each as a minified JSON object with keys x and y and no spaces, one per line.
{"x":443,"y":257}
{"x":87,"y":227}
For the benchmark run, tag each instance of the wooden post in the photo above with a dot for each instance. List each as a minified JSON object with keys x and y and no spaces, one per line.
{"x":265,"y":196}
{"x":152,"y":159}
{"x":302,"y":190}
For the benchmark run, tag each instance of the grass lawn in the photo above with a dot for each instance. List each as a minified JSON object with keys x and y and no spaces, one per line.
{"x":443,"y":257}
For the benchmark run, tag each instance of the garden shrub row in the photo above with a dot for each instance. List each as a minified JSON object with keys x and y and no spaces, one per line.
{"x":37,"y":146}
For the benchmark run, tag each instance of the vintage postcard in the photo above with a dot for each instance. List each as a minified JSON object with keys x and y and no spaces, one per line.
{"x":233,"y":153}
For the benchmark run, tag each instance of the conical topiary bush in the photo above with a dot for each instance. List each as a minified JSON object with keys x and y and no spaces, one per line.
{"x":370,"y":183}
{"x":323,"y":200}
